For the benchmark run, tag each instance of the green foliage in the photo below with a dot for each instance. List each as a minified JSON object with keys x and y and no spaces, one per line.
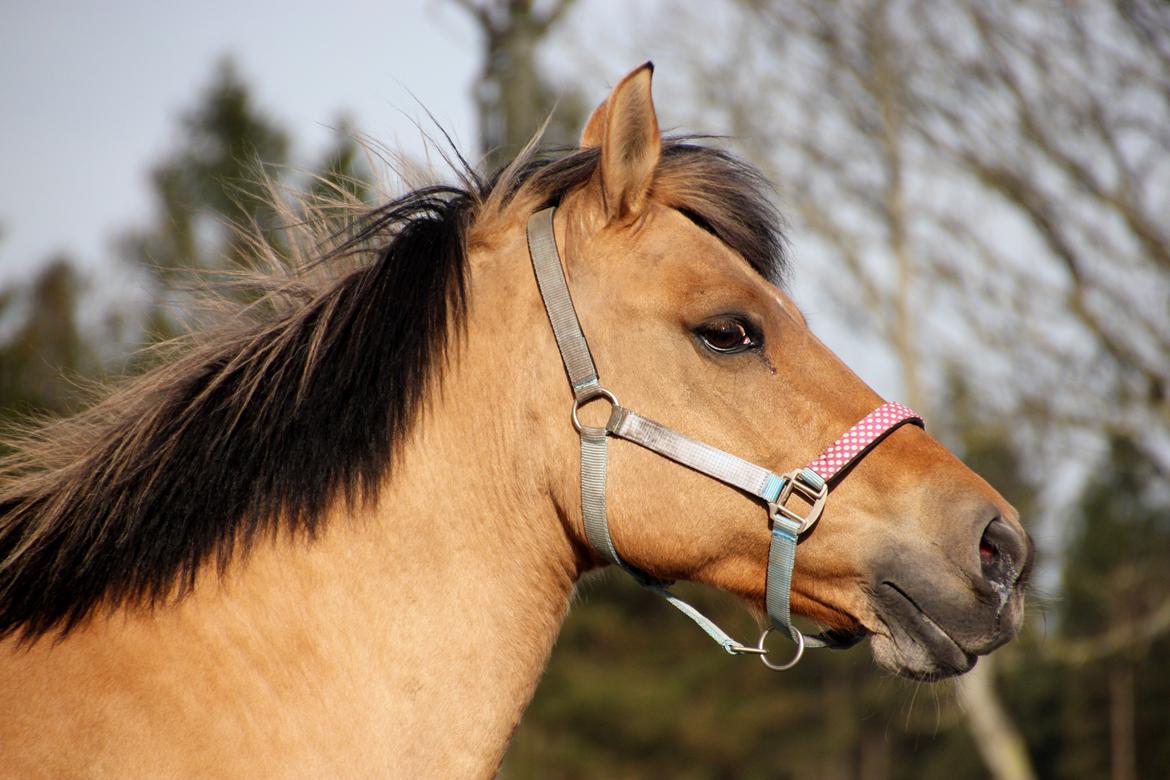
{"x":1116,"y":576}
{"x":634,"y":690}
{"x":42,"y":345}
{"x":1116,"y":563}
{"x":225,"y":137}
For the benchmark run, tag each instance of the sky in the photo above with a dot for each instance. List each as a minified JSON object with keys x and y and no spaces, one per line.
{"x":91,"y":95}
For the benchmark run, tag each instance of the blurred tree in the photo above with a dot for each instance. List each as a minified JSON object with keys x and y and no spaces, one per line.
{"x":41,"y":344}
{"x":513,"y":96}
{"x":990,"y":450}
{"x":213,"y":183}
{"x":1114,"y":613}
{"x":210,"y":187}
{"x":988,"y":176}
{"x":343,"y":171}
{"x":995,"y":171}
{"x":1062,"y":116}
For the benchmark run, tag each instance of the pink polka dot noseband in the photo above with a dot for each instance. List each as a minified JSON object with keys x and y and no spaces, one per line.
{"x":864,"y":434}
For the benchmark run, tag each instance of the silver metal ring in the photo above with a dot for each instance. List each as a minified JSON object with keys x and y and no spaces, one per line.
{"x":599,"y":392}
{"x":796,"y":636}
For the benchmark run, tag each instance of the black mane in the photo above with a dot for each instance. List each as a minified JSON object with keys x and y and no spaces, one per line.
{"x":264,"y":426}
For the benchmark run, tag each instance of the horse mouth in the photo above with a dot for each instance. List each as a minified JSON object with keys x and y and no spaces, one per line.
{"x":914,"y":645}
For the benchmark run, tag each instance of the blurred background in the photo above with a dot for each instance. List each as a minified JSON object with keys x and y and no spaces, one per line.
{"x":978,"y":196}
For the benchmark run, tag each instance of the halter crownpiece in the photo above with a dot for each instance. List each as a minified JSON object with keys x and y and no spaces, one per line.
{"x":812,"y":483}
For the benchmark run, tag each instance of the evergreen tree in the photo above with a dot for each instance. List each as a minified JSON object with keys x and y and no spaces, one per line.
{"x":210,"y":187}
{"x":342,"y":169}
{"x":513,"y":96}
{"x":42,"y":345}
{"x":1115,"y":579}
{"x":210,"y":183}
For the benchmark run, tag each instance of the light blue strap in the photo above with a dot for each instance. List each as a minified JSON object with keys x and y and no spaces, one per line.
{"x":701,"y":620}
{"x":739,"y":473}
{"x":781,"y":560}
{"x":594,"y":467}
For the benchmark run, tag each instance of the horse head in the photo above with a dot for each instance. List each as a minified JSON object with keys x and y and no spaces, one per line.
{"x":674,"y":263}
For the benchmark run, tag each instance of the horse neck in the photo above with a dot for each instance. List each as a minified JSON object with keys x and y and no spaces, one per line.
{"x":408,"y":637}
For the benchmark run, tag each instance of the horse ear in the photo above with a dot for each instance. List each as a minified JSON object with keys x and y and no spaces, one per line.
{"x":626,"y":128}
{"x":594,"y":132}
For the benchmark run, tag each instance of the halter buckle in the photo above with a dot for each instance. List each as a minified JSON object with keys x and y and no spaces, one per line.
{"x":809,"y":486}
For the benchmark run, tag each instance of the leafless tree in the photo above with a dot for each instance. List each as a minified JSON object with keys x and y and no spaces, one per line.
{"x":987,"y":183}
{"x":991,"y":177}
{"x":512,"y":97}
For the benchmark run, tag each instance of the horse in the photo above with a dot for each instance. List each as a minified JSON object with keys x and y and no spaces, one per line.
{"x":337,"y":534}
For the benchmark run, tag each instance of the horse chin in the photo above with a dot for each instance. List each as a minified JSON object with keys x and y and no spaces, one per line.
{"x":913,"y":645}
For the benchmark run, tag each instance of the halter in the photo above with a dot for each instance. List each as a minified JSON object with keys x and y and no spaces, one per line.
{"x":811,"y":483}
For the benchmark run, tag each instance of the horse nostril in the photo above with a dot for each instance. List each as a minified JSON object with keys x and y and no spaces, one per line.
{"x":988,"y":552}
{"x":1003,"y":552}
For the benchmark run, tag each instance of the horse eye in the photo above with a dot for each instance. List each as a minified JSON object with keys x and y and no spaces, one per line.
{"x":726,"y":335}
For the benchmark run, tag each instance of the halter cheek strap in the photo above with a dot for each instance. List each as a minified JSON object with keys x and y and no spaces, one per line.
{"x":811,"y":483}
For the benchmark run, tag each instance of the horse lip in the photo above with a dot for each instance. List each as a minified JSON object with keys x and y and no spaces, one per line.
{"x":951,"y":657}
{"x":843,"y":639}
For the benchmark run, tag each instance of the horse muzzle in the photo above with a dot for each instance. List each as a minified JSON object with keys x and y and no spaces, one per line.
{"x":935,"y":623}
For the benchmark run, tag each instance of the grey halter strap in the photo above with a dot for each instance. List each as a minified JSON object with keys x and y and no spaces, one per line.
{"x":725,"y":467}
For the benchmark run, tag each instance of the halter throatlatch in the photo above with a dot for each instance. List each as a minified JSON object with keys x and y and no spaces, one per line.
{"x":811,"y":483}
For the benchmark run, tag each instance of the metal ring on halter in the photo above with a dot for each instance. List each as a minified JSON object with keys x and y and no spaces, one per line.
{"x":796,"y":635}
{"x":594,"y":394}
